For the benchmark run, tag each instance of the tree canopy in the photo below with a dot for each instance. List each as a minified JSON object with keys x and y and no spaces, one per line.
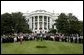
{"x":69,"y":24}
{"x":14,"y":22}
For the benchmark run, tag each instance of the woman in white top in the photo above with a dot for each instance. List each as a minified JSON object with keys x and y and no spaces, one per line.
{"x":15,"y":39}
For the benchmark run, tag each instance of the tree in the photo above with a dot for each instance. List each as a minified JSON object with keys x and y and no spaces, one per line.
{"x":69,"y":24}
{"x":81,"y":27}
{"x":20,"y":23}
{"x":74,"y":25}
{"x":6,"y":23}
{"x":62,"y":23}
{"x":52,"y":31}
{"x":14,"y":23}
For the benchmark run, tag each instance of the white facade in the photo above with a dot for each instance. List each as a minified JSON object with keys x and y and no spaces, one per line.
{"x":40,"y":20}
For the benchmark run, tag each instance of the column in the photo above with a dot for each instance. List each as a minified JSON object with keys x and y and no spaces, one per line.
{"x":31,"y":22}
{"x":50,"y":22}
{"x":38,"y":23}
{"x":47,"y":23}
{"x":34,"y":23}
{"x":43,"y":23}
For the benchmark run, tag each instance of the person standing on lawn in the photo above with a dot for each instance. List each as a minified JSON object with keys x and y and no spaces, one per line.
{"x":41,"y":36}
{"x":21,"y":37}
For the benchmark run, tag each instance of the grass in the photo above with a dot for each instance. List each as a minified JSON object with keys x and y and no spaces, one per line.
{"x":41,"y":47}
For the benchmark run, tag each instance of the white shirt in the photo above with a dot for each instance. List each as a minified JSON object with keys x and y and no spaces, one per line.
{"x":1,"y":39}
{"x":21,"y":37}
{"x":15,"y":39}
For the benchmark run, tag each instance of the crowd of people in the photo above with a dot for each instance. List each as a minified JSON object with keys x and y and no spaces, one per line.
{"x":40,"y":36}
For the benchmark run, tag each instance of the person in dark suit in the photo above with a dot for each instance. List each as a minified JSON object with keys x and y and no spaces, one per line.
{"x":41,"y":36}
{"x":71,"y":39}
{"x":75,"y":39}
{"x":79,"y":40}
{"x":66,"y":39}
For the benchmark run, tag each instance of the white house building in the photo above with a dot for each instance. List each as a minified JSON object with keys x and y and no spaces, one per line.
{"x":40,"y":20}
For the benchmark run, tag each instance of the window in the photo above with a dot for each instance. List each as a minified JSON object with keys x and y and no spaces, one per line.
{"x":53,"y":26}
{"x":32,"y":26}
{"x":45,"y":28}
{"x":48,"y":19}
{"x":40,"y":18}
{"x":45,"y":24}
{"x":35,"y":31}
{"x":40,"y":24}
{"x":32,"y":19}
{"x":35,"y":28}
{"x":36,"y":17}
{"x":48,"y":26}
{"x":40,"y":28}
{"x":40,"y":31}
{"x":36,"y":25}
{"x":45,"y":31}
{"x":28,"y":20}
{"x":45,"y":18}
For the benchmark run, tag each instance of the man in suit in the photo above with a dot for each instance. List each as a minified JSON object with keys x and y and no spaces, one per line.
{"x":41,"y":36}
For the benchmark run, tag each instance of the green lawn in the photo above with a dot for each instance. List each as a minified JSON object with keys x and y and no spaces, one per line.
{"x":44,"y":47}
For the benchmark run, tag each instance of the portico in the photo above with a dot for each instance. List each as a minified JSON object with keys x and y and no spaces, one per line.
{"x":40,"y":20}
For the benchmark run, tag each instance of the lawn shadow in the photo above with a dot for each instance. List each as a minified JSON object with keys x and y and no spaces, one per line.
{"x":41,"y":46}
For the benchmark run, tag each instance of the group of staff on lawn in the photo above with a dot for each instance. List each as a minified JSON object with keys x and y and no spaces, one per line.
{"x":20,"y":37}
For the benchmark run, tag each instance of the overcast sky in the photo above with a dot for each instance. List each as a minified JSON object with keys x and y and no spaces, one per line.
{"x":75,"y":7}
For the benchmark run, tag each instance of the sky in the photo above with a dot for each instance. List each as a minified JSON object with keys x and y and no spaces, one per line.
{"x":74,"y":7}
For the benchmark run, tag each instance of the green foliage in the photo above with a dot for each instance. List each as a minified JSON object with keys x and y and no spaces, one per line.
{"x":52,"y":31}
{"x":69,"y":24}
{"x":6,"y":23}
{"x":61,"y":23}
{"x":14,"y":22}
